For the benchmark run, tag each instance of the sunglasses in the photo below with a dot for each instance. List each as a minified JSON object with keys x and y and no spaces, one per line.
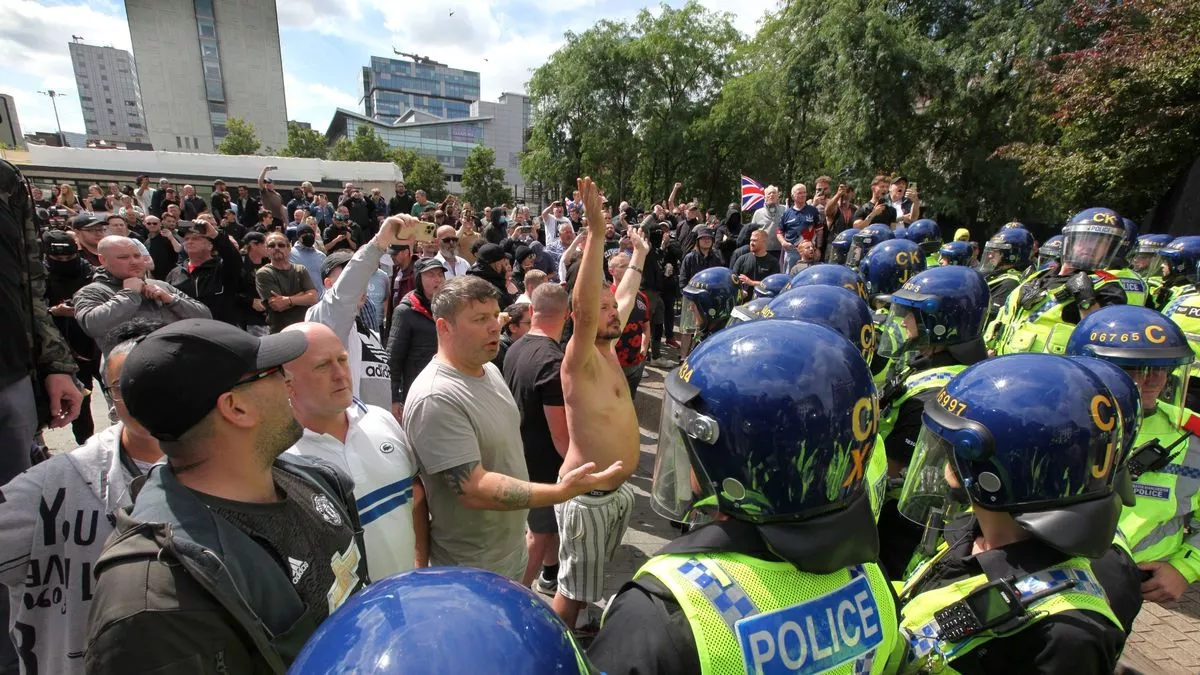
{"x":449,"y":240}
{"x":277,"y":245}
{"x":260,"y":375}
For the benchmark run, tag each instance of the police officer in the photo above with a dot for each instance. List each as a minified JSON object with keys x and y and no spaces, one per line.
{"x":864,"y":240}
{"x":955,"y":253}
{"x":829,"y":275}
{"x":771,"y":286}
{"x":1049,"y":254}
{"x":1137,"y":290}
{"x":885,"y":269}
{"x":776,"y":447}
{"x":1043,"y":310}
{"x":1160,"y":527}
{"x":926,"y":234}
{"x":1179,"y":260}
{"x":1033,"y":442}
{"x":1005,"y":256}
{"x":748,"y":311}
{"x":839,"y":248}
{"x":1185,"y":312}
{"x":1145,"y":260}
{"x":442,"y":620}
{"x":708,"y":299}
{"x":939,"y":314}
{"x":845,"y":312}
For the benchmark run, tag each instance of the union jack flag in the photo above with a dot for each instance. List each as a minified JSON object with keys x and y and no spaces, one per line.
{"x":752,"y":193}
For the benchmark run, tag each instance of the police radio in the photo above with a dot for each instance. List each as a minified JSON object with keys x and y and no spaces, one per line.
{"x":1152,"y":456}
{"x":995,"y":604}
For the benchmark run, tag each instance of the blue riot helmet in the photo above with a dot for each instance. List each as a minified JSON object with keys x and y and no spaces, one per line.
{"x":956,"y":253}
{"x":1050,"y":252}
{"x":709,"y":296}
{"x":1011,"y":248}
{"x":1145,"y":260}
{"x":1012,"y":225}
{"x":926,"y":234}
{"x":901,"y":232}
{"x":940,"y":307}
{"x":1128,"y":242}
{"x":748,"y":312}
{"x":864,"y":240}
{"x":442,"y":620}
{"x":889,"y":265}
{"x":775,"y":436}
{"x":1092,"y":239}
{"x":771,"y":286}
{"x":841,"y":246}
{"x":1034,"y":435}
{"x":1180,"y":257}
{"x":1129,"y":402}
{"x":837,"y":308}
{"x":829,"y":275}
{"x":1146,"y":344}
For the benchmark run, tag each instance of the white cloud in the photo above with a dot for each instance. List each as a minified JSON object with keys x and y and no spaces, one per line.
{"x":314,"y":102}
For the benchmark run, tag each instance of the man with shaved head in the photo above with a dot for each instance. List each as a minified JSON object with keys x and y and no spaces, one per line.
{"x":447,"y":239}
{"x":119,"y":292}
{"x":366,"y":442}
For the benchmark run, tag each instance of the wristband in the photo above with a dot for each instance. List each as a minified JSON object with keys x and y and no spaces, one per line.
{"x":637,"y":269}
{"x":290,"y":303}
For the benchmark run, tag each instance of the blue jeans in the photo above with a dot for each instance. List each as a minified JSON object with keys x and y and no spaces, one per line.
{"x":788,"y":258}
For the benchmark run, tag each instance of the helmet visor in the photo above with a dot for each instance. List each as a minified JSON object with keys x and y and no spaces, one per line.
{"x":993,"y":258}
{"x":1147,"y":264}
{"x":899,"y":331}
{"x":689,"y":317}
{"x":741,"y":314}
{"x":928,"y":499}
{"x":1091,"y":247}
{"x":1172,"y":385}
{"x":678,"y":490}
{"x":837,"y":256}
{"x":858,"y":251}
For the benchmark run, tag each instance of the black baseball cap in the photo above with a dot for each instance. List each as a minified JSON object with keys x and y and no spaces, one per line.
{"x":57,"y":242}
{"x":333,"y":261}
{"x":87,"y":219}
{"x":175,"y":375}
{"x":425,"y":264}
{"x":396,"y":248}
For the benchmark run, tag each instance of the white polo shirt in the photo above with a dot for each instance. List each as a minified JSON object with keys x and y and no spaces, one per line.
{"x":377,"y":456}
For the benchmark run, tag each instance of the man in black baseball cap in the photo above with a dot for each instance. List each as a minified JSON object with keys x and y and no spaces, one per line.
{"x":89,"y":230}
{"x":233,"y":553}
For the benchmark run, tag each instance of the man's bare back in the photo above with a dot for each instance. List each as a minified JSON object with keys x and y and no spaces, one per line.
{"x":600,"y":414}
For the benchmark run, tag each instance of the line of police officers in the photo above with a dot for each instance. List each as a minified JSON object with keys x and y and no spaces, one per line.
{"x":906,"y":464}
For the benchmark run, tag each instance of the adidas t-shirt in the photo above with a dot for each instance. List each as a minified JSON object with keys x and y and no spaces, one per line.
{"x":308,"y":537}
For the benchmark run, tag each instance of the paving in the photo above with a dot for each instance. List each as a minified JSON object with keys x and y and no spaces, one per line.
{"x":1166,"y":638}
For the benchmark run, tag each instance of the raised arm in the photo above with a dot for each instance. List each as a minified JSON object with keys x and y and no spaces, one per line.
{"x":586,"y":301}
{"x":627,"y":291}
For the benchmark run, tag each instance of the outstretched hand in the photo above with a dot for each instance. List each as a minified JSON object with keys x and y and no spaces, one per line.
{"x":593,"y":206}
{"x":640,"y":244}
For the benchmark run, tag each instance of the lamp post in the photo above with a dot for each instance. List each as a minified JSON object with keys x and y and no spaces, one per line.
{"x":62,"y":141}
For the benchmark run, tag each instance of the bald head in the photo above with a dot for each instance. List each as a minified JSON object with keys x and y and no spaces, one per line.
{"x":113,"y":243}
{"x":445,"y":231}
{"x":121,"y":257}
{"x":320,"y":384}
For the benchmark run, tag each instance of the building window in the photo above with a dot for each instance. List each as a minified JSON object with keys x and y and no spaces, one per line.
{"x":178,"y":142}
{"x":130,"y":103}
{"x":108,"y":100}
{"x":104,"y":77}
{"x":195,"y":143}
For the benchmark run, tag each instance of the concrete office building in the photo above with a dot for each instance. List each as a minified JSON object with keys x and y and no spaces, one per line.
{"x":10,"y":126}
{"x":392,"y":87}
{"x":201,"y":62}
{"x":501,"y":126}
{"x":108,"y":95}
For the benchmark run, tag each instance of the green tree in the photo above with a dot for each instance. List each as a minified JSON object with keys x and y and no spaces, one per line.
{"x":366,"y":146}
{"x":305,"y":143}
{"x":240,"y":138}
{"x":483,"y":181}
{"x":1119,"y":115}
{"x":426,"y":174}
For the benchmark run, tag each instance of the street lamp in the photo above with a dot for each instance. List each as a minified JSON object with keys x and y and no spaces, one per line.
{"x":62,"y":140}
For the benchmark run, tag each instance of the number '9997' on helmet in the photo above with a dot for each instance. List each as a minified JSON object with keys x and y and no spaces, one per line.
{"x":829,"y":275}
{"x":775,"y":436}
{"x":1035,"y":435}
{"x":442,"y":620}
{"x":829,"y":306}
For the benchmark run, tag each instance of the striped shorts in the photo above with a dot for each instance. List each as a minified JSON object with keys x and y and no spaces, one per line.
{"x":589,"y":530}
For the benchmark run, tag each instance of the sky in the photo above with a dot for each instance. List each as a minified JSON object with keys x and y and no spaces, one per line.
{"x":325,"y":44}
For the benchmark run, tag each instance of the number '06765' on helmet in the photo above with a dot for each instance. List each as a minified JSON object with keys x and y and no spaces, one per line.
{"x":1035,"y":435}
{"x":774,"y":436}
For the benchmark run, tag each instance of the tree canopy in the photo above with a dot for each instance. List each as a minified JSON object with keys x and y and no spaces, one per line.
{"x":483,"y":181}
{"x":240,"y":138}
{"x":1000,"y":110}
{"x":305,"y":143}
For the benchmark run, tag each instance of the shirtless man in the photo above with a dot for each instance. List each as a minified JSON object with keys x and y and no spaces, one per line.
{"x":602,"y":424}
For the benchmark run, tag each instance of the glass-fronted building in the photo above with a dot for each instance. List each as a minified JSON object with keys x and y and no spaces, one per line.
{"x":392,"y":87}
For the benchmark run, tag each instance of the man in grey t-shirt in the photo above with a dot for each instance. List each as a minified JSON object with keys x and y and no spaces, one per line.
{"x":464,"y":426}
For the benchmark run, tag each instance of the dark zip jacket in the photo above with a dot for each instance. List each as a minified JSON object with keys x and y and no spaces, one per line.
{"x":215,"y":282}
{"x":412,"y":342}
{"x":180,"y":590}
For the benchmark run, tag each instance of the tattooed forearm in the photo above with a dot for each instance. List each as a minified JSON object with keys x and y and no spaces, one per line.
{"x":455,"y":476}
{"x":513,"y":494}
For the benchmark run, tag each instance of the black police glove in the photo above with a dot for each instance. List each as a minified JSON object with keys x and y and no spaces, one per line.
{"x":1080,"y":286}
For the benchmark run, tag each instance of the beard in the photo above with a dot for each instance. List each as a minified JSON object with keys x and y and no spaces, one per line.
{"x":610,"y":331}
{"x":275,"y":438}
